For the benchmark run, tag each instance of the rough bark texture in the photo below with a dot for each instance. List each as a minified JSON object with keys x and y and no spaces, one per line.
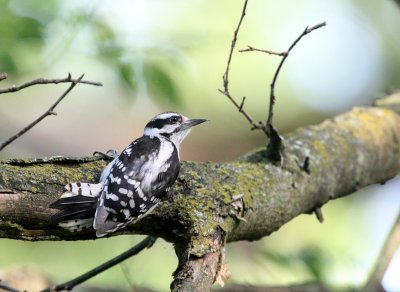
{"x":198,"y":273}
{"x":241,"y":200}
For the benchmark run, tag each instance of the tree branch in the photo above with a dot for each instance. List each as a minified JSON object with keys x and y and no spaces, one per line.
{"x":253,"y":49}
{"x":275,"y":143}
{"x":7,"y":288}
{"x":243,"y":200}
{"x":145,"y":243}
{"x":198,"y":273}
{"x":49,"y":112}
{"x":306,"y":31}
{"x":306,"y":287}
{"x":225,"y":77}
{"x":388,"y":250}
{"x":38,"y":81}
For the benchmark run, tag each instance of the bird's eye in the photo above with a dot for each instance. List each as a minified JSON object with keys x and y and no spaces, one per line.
{"x":174,"y":119}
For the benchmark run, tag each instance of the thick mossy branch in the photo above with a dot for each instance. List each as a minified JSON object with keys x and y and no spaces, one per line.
{"x":198,"y":273}
{"x":245,"y":199}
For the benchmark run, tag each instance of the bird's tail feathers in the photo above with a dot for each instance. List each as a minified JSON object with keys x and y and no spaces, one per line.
{"x":76,"y":225}
{"x":77,"y":206}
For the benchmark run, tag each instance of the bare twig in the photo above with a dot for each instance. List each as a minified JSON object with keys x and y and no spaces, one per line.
{"x":267,"y":128}
{"x":310,"y":287}
{"x":272,"y":92}
{"x":50,"y":111}
{"x":8,"y":288}
{"x":275,"y":144}
{"x":252,"y":49}
{"x":145,"y":243}
{"x":242,"y":103}
{"x":225,"y":77}
{"x":38,"y":81}
{"x":389,"y":248}
{"x":125,"y":271}
{"x":319,"y":215}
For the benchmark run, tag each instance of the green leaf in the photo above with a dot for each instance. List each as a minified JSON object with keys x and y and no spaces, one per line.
{"x":161,"y":84}
{"x":103,"y":32}
{"x":7,"y":63}
{"x":20,"y":35}
{"x":315,"y":261}
{"x":126,"y":74}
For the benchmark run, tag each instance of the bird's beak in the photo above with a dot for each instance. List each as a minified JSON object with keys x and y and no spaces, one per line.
{"x":188,"y":123}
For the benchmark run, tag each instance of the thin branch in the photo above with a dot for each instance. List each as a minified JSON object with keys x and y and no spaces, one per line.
{"x":38,"y":81}
{"x":318,"y":213}
{"x":311,"y":286}
{"x":125,"y":271}
{"x":389,"y":248}
{"x":242,"y":104}
{"x":272,"y":92}
{"x":50,"y":111}
{"x":225,"y":77}
{"x":8,"y":288}
{"x":252,"y":49}
{"x":275,"y":144}
{"x":145,"y":243}
{"x":267,"y":128}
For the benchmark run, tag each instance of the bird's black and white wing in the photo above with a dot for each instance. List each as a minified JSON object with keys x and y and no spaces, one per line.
{"x":137,"y":180}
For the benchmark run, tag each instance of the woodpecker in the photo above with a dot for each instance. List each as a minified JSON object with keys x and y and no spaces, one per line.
{"x":132,"y":184}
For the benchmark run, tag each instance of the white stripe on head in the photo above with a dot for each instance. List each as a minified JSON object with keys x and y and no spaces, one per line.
{"x":165,"y":115}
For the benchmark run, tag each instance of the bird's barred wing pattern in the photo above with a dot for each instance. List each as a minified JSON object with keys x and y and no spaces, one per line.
{"x":134,"y":186}
{"x":82,"y":189}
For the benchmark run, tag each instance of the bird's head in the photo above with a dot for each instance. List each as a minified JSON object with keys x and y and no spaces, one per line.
{"x":171,"y":125}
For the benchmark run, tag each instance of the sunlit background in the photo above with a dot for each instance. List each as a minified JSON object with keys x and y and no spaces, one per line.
{"x":154,"y":56}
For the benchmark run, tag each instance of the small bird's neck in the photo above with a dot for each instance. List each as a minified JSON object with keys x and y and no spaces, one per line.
{"x":165,"y":138}
{"x":178,"y":137}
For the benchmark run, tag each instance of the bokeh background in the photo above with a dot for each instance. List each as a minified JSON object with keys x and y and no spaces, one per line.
{"x":154,"y":56}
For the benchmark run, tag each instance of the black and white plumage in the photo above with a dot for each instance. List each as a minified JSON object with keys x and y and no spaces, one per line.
{"x":132,"y":184}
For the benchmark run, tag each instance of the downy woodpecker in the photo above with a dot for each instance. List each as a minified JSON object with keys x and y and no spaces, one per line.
{"x":132,"y":184}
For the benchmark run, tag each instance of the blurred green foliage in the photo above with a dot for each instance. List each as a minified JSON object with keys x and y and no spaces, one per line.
{"x":312,"y":258}
{"x":23,"y":34}
{"x":160,"y":82}
{"x":19,"y":36}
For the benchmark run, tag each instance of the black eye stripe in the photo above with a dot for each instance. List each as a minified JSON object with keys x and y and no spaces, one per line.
{"x":157,"y":124}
